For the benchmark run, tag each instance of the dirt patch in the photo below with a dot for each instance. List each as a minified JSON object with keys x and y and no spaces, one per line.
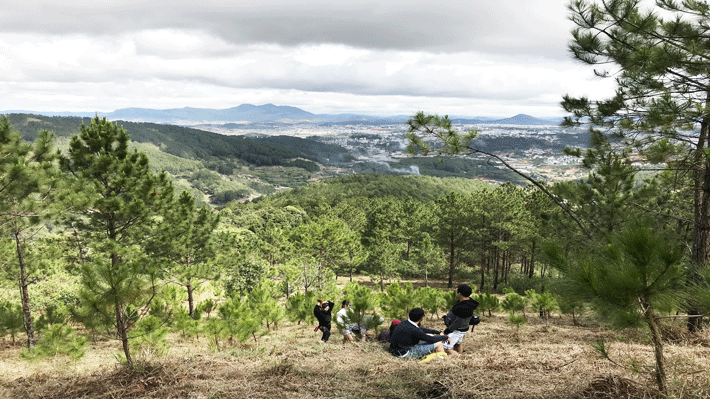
{"x":615,"y":387}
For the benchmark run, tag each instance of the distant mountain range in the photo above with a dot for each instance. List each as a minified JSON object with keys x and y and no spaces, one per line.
{"x":248,"y":113}
{"x":520,"y":119}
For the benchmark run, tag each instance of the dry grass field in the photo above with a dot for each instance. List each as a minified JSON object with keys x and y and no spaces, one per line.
{"x":553,"y":360}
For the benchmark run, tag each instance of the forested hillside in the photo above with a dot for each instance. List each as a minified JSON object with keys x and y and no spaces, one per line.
{"x":336,"y":190}
{"x":192,"y":143}
{"x":219,"y":168}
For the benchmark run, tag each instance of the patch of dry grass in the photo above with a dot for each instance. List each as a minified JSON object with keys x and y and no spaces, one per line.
{"x":540,"y":360}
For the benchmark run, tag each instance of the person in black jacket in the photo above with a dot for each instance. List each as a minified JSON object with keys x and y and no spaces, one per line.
{"x":322,"y":311}
{"x":459,"y":318}
{"x":410,"y":341}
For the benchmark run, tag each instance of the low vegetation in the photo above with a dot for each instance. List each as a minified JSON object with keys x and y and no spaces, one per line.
{"x":540,"y":359}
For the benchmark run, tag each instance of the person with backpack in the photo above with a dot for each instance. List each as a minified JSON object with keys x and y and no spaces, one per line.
{"x":385,"y":335}
{"x":458,"y":319}
{"x":322,"y":311}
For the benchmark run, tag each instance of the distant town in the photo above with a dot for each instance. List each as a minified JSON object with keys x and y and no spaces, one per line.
{"x":536,"y":150}
{"x":532,"y":145}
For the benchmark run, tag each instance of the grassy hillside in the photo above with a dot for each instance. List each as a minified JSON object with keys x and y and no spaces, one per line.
{"x":552,"y":360}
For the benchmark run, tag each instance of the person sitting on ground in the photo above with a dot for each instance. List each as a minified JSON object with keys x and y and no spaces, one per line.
{"x":385,"y":335}
{"x":410,"y":341}
{"x":322,"y":311}
{"x":368,"y":322}
{"x":458,"y":319}
{"x":344,"y":321}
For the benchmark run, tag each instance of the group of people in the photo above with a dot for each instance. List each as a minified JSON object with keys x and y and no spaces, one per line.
{"x":323,"y":313}
{"x":407,"y":339}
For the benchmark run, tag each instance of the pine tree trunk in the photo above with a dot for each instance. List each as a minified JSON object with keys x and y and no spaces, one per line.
{"x":483,"y":265}
{"x":531,"y":266}
{"x":426,"y":276}
{"x":452,"y":261}
{"x":701,"y":227}
{"x":25,"y":295}
{"x":190,"y":290}
{"x":652,"y":321}
{"x":190,"y":300}
{"x":496,"y":267}
{"x":123,"y":333}
{"x":121,"y":324}
{"x":507,"y":265}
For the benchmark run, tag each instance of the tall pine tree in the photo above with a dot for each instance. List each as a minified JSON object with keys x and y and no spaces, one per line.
{"x":124,"y":199}
{"x":28,"y":188}
{"x":658,"y":57}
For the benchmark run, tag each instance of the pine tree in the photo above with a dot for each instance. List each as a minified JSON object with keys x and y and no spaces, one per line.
{"x":630,"y":281}
{"x":11,"y":319}
{"x":384,"y":239}
{"x":361,"y":314}
{"x":185,"y":238}
{"x":453,"y":229}
{"x":299,"y":307}
{"x":432,"y":300}
{"x":124,"y":199}
{"x":326,"y":239}
{"x":28,"y":191}
{"x":398,"y":300}
{"x":487,"y":302}
{"x":658,"y":58}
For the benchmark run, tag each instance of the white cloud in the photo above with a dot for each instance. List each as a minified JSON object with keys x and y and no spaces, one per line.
{"x":458,"y":57}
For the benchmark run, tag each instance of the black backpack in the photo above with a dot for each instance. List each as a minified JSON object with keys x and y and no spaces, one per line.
{"x":474,"y":321}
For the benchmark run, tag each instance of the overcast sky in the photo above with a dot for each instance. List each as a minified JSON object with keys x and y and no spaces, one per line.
{"x":467,"y":58}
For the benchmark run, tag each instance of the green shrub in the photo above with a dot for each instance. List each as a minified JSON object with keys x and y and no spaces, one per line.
{"x":11,"y":321}
{"x":148,"y":337}
{"x":432,"y":300}
{"x":299,"y":307}
{"x":513,"y":302}
{"x":242,"y":278}
{"x":545,"y":302}
{"x":57,"y":340}
{"x":572,"y":306}
{"x":237,"y":319}
{"x":397,"y":300}
{"x":487,"y":303}
{"x":187,"y":326}
{"x":52,"y":315}
{"x":264,"y":305}
{"x":516,"y":320}
{"x":363,"y":303}
{"x":207,"y":306}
